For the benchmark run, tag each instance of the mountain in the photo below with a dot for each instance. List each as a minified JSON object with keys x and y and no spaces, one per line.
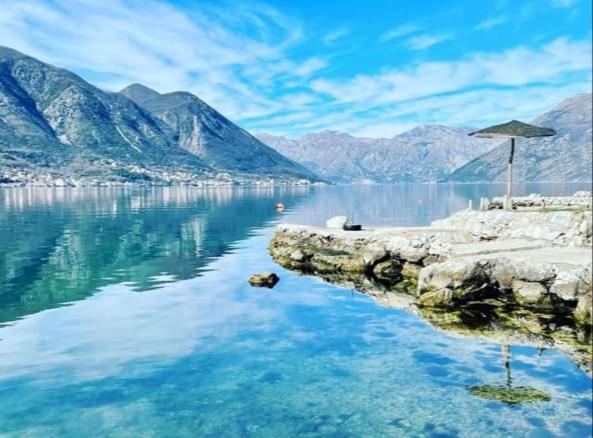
{"x":567,"y":156}
{"x":52,"y":122}
{"x":425,"y":153}
{"x":52,"y":119}
{"x":204,"y":132}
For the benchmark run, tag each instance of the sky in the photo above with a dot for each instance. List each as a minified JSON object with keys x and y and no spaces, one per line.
{"x":290,"y":67}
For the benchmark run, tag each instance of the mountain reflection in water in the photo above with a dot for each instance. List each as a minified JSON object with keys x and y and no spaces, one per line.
{"x":61,"y":245}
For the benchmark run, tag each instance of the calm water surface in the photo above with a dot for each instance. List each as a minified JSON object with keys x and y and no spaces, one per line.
{"x":127,"y":313}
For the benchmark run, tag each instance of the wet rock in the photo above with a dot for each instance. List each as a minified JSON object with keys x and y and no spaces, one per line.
{"x":264,"y":279}
{"x":436,"y":298}
{"x":527,"y":292}
{"x":336,"y":222}
{"x":327,"y":263}
{"x":389,"y":271}
{"x":374,"y":252}
{"x":583,"y":311}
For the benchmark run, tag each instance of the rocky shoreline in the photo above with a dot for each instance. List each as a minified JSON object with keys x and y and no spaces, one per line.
{"x":523,"y":276}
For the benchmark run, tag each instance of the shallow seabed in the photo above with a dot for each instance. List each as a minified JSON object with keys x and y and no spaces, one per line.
{"x":128,"y":313}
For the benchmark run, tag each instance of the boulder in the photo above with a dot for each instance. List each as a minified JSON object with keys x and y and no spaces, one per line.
{"x":373,"y":252}
{"x":528,"y":292}
{"x":451,"y":274}
{"x":264,"y":279}
{"x":566,"y":285}
{"x":583,"y":311}
{"x":336,"y":222}
{"x":297,"y":255}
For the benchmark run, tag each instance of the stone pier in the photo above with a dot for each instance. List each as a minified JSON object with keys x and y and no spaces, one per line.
{"x":522,"y":273}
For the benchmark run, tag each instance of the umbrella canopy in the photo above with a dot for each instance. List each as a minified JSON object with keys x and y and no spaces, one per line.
{"x":514,"y":128}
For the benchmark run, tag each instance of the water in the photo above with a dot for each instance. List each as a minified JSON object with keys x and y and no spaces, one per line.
{"x":127,"y":313}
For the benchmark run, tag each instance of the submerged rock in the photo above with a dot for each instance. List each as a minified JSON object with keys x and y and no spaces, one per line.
{"x":509,"y":395}
{"x":264,"y":279}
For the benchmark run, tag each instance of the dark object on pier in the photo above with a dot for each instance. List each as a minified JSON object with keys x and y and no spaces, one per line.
{"x":511,"y":130}
{"x":351,"y":227}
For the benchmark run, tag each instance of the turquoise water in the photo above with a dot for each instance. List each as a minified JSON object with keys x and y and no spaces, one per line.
{"x":127,"y":313}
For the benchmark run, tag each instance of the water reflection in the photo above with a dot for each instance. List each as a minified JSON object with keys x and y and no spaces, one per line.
{"x":61,"y":245}
{"x":406,"y":204}
{"x":203,"y":353}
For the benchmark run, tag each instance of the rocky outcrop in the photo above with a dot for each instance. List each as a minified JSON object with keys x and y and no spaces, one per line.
{"x":441,"y":267}
{"x":557,"y":227}
{"x":489,"y":268}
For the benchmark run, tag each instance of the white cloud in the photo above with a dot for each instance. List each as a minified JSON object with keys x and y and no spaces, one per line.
{"x":229,"y":57}
{"x":514,"y":67}
{"x":489,"y":23}
{"x":310,"y":66}
{"x":517,"y":83}
{"x":335,"y":35}
{"x":424,"y":41}
{"x":399,"y":31}
{"x":242,"y":62}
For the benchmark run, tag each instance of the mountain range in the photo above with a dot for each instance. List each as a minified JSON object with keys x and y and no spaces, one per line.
{"x":567,"y":156}
{"x":54,"y":122}
{"x":425,"y":153}
{"x":431,"y":153}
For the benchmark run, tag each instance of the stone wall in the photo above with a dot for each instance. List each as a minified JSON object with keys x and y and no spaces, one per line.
{"x":563,"y":228}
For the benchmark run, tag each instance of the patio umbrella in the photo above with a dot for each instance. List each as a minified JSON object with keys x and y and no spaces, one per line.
{"x":512,"y":130}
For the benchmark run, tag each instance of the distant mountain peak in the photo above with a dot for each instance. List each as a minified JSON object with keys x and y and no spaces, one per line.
{"x":424,"y":153}
{"x":139,"y":93}
{"x":204,"y":132}
{"x":7,"y":52}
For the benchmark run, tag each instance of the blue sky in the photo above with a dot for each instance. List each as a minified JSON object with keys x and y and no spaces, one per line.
{"x":289,"y":67}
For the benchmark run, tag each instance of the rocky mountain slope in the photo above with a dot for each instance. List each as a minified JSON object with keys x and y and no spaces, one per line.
{"x":52,"y":122}
{"x":567,"y":156}
{"x":425,"y":153}
{"x":207,"y":134}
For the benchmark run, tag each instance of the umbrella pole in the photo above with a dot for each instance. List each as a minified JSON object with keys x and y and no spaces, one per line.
{"x":506,"y":358}
{"x":509,"y":201}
